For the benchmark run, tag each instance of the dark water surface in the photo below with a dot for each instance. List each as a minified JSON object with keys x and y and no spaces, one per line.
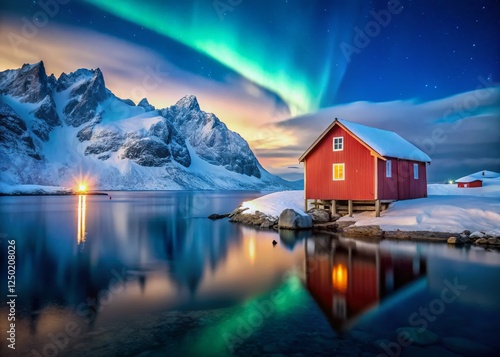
{"x":147,"y":274}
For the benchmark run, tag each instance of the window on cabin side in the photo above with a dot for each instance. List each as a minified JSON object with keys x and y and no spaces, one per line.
{"x":338,"y":172}
{"x":388,"y":168}
{"x":415,"y":171}
{"x":338,"y":143}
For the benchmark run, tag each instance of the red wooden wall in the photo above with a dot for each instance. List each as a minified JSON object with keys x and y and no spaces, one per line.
{"x":359,"y":170}
{"x":402,"y":185}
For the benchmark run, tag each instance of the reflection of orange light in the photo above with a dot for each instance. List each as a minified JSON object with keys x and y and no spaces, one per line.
{"x":339,"y":277}
{"x":82,"y":209}
{"x":251,"y":249}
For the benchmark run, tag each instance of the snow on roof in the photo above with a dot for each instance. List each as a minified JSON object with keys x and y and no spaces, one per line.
{"x":384,"y":142}
{"x":480,"y":175}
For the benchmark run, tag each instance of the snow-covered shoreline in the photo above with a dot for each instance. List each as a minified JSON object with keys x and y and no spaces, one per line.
{"x":20,"y":190}
{"x":447,"y":209}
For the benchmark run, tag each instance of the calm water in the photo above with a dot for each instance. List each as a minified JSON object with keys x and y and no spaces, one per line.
{"x":147,"y":274}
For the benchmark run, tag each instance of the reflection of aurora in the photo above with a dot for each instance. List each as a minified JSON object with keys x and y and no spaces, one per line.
{"x":82,"y":210}
{"x":226,"y":335}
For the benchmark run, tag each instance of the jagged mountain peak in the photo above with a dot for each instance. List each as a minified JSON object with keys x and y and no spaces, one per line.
{"x":145,"y":104}
{"x":81,"y":75}
{"x":189,"y":102}
{"x":29,"y":83}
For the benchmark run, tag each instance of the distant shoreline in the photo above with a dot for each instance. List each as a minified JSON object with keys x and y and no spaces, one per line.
{"x":54,"y":194}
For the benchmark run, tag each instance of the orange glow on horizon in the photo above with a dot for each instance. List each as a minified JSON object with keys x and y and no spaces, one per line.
{"x":339,"y":278}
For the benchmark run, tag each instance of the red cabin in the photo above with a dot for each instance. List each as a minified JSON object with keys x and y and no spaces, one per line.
{"x":470,"y":183}
{"x":350,"y":161}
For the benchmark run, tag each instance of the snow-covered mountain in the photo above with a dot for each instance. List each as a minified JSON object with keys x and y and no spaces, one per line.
{"x":54,"y":130}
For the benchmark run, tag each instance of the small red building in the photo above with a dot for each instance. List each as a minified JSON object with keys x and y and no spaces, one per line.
{"x":470,"y":183}
{"x":350,"y":161}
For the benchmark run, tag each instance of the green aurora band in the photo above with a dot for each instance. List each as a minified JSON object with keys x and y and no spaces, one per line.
{"x":278,"y":61}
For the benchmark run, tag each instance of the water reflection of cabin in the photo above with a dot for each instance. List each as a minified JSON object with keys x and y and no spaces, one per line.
{"x":348,"y":278}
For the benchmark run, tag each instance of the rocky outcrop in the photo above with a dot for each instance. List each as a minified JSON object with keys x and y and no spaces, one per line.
{"x":291,"y":219}
{"x":210,"y":138}
{"x":14,"y":137}
{"x":85,"y":98}
{"x":29,"y":83}
{"x":367,"y":231}
{"x":319,"y":215}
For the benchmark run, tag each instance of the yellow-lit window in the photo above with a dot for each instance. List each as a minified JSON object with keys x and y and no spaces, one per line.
{"x":338,"y":172}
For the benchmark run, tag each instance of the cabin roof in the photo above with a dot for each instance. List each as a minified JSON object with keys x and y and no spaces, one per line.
{"x":383,"y":143}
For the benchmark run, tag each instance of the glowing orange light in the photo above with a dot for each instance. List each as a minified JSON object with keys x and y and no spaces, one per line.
{"x":82,"y":187}
{"x":339,"y":278}
{"x":82,"y":210}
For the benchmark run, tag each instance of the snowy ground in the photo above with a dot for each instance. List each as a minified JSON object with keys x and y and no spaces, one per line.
{"x":447,"y":209}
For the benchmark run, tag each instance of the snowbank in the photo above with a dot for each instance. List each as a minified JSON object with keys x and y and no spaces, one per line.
{"x":32,"y":189}
{"x":275,"y":203}
{"x":447,"y":209}
{"x":436,"y":214}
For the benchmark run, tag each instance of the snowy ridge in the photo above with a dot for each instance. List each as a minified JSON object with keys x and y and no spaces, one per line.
{"x":60,"y":130}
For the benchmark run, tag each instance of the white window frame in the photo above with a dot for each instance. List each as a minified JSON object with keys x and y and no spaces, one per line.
{"x":343,"y":172}
{"x":340,"y":143}
{"x":388,"y":168}
{"x":415,"y":171}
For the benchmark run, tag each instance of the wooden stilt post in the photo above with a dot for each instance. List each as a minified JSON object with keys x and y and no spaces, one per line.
{"x":305,"y":204}
{"x":333,"y":208}
{"x":377,"y":208}
{"x":316,"y":204}
{"x":349,"y":208}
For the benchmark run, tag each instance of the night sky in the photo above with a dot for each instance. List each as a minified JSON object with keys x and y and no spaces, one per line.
{"x":278,"y":72}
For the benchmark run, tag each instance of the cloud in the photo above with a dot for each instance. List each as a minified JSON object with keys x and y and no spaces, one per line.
{"x":463,"y":130}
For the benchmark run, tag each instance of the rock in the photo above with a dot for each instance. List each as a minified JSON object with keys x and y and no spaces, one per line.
{"x":422,"y":338}
{"x":267,"y":224}
{"x":371,"y":230}
{"x":343,"y":224}
{"x":493,"y":241}
{"x":457,"y":240}
{"x":467,"y":347}
{"x":291,"y":219}
{"x":476,"y":234}
{"x":237,"y":211}
{"x":328,"y":226}
{"x":215,"y":216}
{"x":319,"y":215}
{"x":481,"y":241}
{"x":466,"y":232}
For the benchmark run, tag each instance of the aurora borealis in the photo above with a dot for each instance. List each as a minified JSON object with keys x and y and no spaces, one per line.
{"x":265,"y":67}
